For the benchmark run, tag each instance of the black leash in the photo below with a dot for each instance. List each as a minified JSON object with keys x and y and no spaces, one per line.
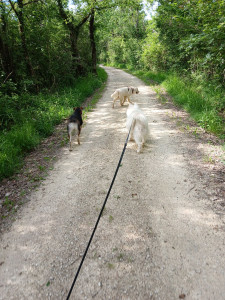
{"x":96,"y":225}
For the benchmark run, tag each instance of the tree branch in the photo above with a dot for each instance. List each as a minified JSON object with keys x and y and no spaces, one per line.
{"x":13,"y":7}
{"x":8,"y":77}
{"x":83,"y":21}
{"x":34,"y":1}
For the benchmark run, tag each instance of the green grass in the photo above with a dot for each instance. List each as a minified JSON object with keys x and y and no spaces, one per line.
{"x":203,"y":100}
{"x":27,"y":119}
{"x":150,"y":76}
{"x":205,"y":104}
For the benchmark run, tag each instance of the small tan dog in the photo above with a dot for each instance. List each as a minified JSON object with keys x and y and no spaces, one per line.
{"x":123,"y":94}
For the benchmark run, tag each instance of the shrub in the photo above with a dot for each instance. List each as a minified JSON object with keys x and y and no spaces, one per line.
{"x":26,"y":119}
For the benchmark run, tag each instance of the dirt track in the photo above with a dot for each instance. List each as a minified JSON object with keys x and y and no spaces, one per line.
{"x":160,"y":236}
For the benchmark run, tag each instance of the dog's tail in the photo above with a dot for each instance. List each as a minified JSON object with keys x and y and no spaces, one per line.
{"x":115,"y":94}
{"x":130,"y":122}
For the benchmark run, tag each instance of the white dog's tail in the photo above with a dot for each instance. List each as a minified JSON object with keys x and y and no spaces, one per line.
{"x":115,"y":94}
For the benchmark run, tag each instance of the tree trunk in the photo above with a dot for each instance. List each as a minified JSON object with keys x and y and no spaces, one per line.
{"x":74,"y":32}
{"x":23,"y":39}
{"x":77,"y":67}
{"x":20,"y":17}
{"x":6,"y":58}
{"x":92,"y":39}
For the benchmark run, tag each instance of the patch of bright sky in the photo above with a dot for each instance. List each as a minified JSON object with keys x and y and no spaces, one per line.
{"x":72,"y":6}
{"x":150,"y":10}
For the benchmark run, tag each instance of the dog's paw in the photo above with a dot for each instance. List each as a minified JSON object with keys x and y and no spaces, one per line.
{"x":139,"y":149}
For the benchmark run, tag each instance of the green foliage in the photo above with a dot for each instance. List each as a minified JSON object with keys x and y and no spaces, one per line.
{"x":36,"y":118}
{"x":154,"y":54}
{"x":204,"y":103}
{"x":13,"y":144}
{"x":39,"y":54}
{"x":183,"y":49}
{"x":151,"y":76}
{"x":23,"y":137}
{"x":119,"y":34}
{"x":193,"y":34}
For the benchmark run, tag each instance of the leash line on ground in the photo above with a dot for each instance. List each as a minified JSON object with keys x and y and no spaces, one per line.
{"x":99,"y":217}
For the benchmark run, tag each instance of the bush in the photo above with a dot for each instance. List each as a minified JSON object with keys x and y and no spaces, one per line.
{"x":10,"y":159}
{"x":29,"y":118}
{"x":24,"y":138}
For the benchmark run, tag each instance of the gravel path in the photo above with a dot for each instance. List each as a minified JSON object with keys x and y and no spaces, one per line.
{"x":159,"y":237}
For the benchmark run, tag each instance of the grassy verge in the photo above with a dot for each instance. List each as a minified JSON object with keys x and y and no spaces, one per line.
{"x":37,"y":117}
{"x":203,"y":100}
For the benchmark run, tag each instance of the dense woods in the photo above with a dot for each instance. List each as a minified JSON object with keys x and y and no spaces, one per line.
{"x":192,"y":34}
{"x":49,"y":46}
{"x":44,"y":43}
{"x":183,"y":34}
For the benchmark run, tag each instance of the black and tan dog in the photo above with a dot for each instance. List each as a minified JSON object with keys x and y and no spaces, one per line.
{"x":74,"y":124}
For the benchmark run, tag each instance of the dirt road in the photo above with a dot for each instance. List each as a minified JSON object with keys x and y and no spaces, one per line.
{"x":160,"y":236}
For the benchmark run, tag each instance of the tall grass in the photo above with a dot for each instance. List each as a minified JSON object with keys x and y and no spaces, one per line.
{"x":203,"y":100}
{"x":36,"y":118}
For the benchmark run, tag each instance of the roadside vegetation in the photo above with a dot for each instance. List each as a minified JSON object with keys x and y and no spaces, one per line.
{"x":205,"y":102}
{"x":29,"y":118}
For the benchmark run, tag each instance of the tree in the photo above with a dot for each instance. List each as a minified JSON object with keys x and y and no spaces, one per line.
{"x":18,"y":7}
{"x":92,"y":40}
{"x":74,"y":29}
{"x":193,"y":32}
{"x":6,"y":59}
{"x":120,"y":33}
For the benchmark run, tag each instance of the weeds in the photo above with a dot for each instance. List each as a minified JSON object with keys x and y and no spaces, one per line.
{"x":120,"y":257}
{"x":9,"y":204}
{"x":42,"y":168}
{"x":203,"y":100}
{"x":111,"y":266}
{"x":201,"y":105}
{"x":208,"y":159}
{"x":111,"y":219}
{"x":160,"y":95}
{"x":23,"y":193}
{"x":26,"y":119}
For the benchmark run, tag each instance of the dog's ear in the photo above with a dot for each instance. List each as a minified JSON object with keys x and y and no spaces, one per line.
{"x":81,"y":108}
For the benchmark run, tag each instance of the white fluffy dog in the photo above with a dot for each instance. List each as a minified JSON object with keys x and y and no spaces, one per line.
{"x":123,"y":93}
{"x":139,"y":130}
